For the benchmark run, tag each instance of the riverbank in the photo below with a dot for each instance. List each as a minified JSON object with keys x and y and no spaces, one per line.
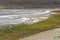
{"x":53,"y":34}
{"x":14,"y":32}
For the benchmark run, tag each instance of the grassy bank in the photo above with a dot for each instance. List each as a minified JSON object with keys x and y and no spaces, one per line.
{"x":14,"y":32}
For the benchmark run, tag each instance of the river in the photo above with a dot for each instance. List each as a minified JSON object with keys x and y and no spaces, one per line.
{"x":16,"y":16}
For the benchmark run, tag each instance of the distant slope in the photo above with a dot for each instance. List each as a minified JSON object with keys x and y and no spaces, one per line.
{"x":30,"y":3}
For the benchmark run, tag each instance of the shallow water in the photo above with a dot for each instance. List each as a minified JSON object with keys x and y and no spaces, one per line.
{"x":15,"y":16}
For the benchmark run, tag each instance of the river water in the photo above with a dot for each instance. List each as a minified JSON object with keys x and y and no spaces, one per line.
{"x":16,"y":16}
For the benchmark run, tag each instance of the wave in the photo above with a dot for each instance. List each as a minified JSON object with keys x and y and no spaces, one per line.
{"x":22,"y":16}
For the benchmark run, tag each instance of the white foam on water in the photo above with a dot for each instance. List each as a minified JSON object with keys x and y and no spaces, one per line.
{"x":22,"y":16}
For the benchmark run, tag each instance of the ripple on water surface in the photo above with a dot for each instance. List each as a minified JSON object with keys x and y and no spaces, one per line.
{"x":22,"y":16}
